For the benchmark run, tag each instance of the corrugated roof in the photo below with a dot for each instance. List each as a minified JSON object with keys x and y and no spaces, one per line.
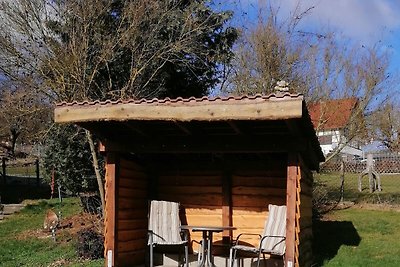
{"x":332,"y":114}
{"x":180,"y":100}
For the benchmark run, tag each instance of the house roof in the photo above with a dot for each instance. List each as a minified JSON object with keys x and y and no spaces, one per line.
{"x":246,"y":124}
{"x":332,"y":114}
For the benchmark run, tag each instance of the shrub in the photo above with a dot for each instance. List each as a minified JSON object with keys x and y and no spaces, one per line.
{"x":90,"y":244}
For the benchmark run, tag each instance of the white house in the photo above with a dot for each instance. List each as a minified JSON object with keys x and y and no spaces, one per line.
{"x":331,"y":119}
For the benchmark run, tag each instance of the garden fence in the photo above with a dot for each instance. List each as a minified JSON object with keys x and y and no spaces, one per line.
{"x":339,"y":180}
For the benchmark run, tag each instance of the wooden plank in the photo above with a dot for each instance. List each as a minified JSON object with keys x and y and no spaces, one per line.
{"x":291,"y":209}
{"x":132,"y":245}
{"x":185,"y":190}
{"x":110,"y":231}
{"x":132,"y":193}
{"x":211,"y":144}
{"x":195,"y":199}
{"x":256,"y":200}
{"x":257,"y":221}
{"x":131,"y":235}
{"x":207,"y":220}
{"x":227,"y":205}
{"x":189,"y":180}
{"x":127,"y":214}
{"x":131,"y":224}
{"x":265,"y":182}
{"x":203,"y":211}
{"x":133,"y":183}
{"x":132,"y":258}
{"x":133,"y":174}
{"x":261,"y":191}
{"x":202,"y":111}
{"x":129,"y":164}
{"x":132,"y":203}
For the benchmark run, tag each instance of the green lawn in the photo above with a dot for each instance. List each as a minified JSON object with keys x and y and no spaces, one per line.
{"x":330,"y":184}
{"x":350,"y":237}
{"x":358,"y":237}
{"x":17,"y":249}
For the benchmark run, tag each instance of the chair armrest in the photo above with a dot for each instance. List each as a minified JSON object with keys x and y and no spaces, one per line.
{"x":236,"y":241}
{"x":277,"y":236}
{"x":185,"y":234}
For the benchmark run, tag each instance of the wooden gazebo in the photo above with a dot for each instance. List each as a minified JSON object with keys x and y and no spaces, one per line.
{"x":223,"y":159}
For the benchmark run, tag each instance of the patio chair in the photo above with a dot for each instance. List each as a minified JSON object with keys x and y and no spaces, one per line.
{"x":164,"y":228}
{"x":272,"y":241}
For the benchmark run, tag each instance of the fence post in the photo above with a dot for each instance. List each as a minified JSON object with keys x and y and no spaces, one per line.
{"x":3,"y":165}
{"x":37,"y":172}
{"x":341,"y":181}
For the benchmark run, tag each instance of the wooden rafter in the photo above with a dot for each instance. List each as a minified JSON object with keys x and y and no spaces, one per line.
{"x":262,"y":110}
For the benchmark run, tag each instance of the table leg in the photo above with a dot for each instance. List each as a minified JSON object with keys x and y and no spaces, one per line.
{"x":210,"y":259}
{"x":202,"y":259}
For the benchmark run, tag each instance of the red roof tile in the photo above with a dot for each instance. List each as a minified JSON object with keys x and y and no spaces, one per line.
{"x":332,"y":114}
{"x":180,"y":100}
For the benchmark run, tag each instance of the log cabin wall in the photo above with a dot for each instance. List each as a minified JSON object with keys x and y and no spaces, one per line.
{"x":132,"y":212}
{"x":303,"y":244}
{"x":199,"y":194}
{"x":201,"y":191}
{"x":252,"y":191}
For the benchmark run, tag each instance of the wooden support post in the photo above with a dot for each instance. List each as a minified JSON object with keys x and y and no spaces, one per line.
{"x":37,"y":173}
{"x":111,"y":209}
{"x":227,"y":205}
{"x":291,"y":209}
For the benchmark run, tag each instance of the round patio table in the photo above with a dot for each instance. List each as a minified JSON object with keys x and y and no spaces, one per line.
{"x":206,"y":258}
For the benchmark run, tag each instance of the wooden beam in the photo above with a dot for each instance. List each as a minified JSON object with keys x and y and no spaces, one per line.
{"x":210,"y":144}
{"x":264,"y":109}
{"x":111,"y":209}
{"x":291,"y":209}
{"x":234,"y":126}
{"x":182,"y":128}
{"x":227,"y":205}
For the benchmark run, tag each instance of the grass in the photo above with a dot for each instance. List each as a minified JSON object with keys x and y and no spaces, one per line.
{"x":358,"y":237}
{"x":329,"y":183}
{"x":28,"y":250}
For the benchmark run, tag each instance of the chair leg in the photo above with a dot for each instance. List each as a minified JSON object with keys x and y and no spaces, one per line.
{"x":258,"y":259}
{"x":186,"y":255}
{"x":151,"y":256}
{"x":231,"y":257}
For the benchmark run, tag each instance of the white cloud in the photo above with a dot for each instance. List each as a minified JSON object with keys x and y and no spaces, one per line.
{"x":365,"y":20}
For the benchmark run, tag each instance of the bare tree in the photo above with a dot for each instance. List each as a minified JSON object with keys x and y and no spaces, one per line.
{"x":322,"y":66}
{"x":89,"y":50}
{"x":385,"y":124}
{"x":23,"y":116}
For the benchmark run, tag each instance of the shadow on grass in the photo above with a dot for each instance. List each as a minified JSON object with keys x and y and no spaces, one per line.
{"x":329,"y":236}
{"x":18,"y":193}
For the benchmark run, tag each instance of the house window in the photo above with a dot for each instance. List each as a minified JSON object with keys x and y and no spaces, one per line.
{"x":325,"y":139}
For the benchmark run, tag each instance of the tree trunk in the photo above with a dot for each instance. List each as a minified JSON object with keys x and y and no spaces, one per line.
{"x":96,"y":170}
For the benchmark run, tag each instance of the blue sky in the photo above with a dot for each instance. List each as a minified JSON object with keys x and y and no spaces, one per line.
{"x":364,"y":22}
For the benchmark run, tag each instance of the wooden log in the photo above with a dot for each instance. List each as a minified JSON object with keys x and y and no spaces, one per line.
{"x":195,"y":199}
{"x":110,"y":223}
{"x":125,"y":192}
{"x":291,"y":209}
{"x":133,"y":245}
{"x":132,"y":258}
{"x":133,"y":183}
{"x":261,"y":191}
{"x":131,"y":224}
{"x":132,"y":235}
{"x":264,"y":182}
{"x":188,"y":190}
{"x":126,"y":214}
{"x":190,"y":180}
{"x":126,"y":203}
{"x":256,"y":200}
